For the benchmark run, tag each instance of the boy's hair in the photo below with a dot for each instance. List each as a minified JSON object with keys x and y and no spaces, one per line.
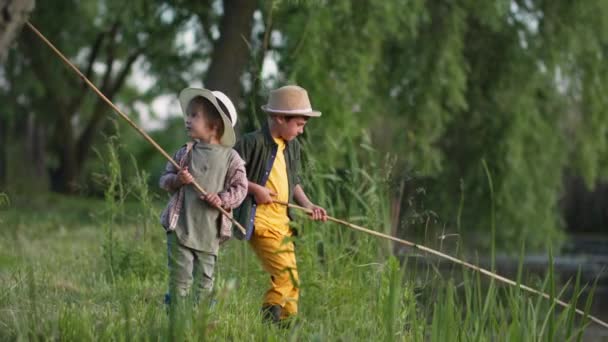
{"x":208,"y":110}
{"x":290,"y":117}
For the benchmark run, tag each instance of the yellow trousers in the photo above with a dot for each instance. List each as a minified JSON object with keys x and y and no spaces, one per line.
{"x":276,"y":252}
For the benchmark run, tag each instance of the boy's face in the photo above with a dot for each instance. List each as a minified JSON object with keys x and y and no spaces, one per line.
{"x":197,"y":126}
{"x":290,"y":128}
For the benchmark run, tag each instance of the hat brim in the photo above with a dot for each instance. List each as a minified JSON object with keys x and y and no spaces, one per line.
{"x":308,"y":113}
{"x":185,"y":96}
{"x":228,"y":105}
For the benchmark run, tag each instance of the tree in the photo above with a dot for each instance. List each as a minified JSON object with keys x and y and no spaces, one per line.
{"x":107,"y":39}
{"x":447,"y":84}
{"x":443,"y":85}
{"x":230,"y":51}
{"x":14,"y":14}
{"x":106,"y":51}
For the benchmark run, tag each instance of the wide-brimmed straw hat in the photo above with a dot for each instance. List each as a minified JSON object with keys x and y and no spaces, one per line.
{"x":186,"y":95}
{"x":290,"y":100}
{"x":225,"y":100}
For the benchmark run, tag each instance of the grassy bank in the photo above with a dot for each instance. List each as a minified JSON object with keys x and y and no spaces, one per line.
{"x":80,"y":269}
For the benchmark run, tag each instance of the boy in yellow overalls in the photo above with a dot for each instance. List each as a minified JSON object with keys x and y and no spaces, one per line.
{"x":272,"y":157}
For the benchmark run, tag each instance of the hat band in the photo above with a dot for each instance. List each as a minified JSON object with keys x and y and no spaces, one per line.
{"x":290,"y":111}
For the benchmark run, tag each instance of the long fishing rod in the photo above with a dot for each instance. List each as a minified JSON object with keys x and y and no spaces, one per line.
{"x":128,"y":120}
{"x":309,"y":211}
{"x":451,"y":258}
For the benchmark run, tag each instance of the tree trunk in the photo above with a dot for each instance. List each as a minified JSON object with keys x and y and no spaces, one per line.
{"x":35,"y":147}
{"x":13,"y":13}
{"x":230,"y":51}
{"x":64,"y":178}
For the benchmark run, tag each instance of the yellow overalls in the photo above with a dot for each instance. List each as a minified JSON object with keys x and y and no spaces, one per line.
{"x":271,"y":240}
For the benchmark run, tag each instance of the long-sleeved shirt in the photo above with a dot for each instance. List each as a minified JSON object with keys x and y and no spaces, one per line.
{"x":233,"y":193}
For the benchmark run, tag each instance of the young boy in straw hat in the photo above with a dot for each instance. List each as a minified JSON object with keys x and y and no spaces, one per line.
{"x":272,"y":158}
{"x":193,"y":224}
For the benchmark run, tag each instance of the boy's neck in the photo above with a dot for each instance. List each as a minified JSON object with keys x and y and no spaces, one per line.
{"x":274,"y":130}
{"x":211,"y":141}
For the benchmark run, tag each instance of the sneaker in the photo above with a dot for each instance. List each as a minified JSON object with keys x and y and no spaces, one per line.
{"x":271,"y":313}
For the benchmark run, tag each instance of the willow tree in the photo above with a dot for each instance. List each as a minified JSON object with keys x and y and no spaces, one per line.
{"x":445,"y":85}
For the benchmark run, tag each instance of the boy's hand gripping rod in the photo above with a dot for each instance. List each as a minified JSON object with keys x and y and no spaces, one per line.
{"x":342,"y":222}
{"x":129,"y":121}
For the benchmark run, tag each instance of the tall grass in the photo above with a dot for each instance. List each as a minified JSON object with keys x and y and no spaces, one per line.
{"x":104,"y":279}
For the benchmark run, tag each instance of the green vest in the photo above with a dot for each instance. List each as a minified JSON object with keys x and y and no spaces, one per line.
{"x":259,"y":150}
{"x":199,"y":223}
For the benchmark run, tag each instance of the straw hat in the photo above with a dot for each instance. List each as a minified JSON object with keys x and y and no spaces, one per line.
{"x":186,"y":95}
{"x":223,"y":99}
{"x":290,"y":100}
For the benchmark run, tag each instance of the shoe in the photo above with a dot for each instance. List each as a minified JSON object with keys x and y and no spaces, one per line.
{"x":271,"y":313}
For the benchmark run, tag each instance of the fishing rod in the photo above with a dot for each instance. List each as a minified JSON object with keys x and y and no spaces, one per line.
{"x":425,"y":249}
{"x":128,"y":120}
{"x":451,"y":258}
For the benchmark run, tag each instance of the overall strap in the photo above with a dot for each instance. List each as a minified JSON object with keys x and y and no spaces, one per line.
{"x":183,"y":161}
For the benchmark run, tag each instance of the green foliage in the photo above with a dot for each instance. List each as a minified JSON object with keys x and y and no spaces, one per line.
{"x":437,"y":86}
{"x":101,"y":279}
{"x":52,"y":115}
{"x":445,"y":84}
{"x":393,"y":301}
{"x":133,"y":255}
{"x":4,"y":200}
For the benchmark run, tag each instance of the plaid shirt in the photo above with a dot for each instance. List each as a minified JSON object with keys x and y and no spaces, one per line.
{"x":235,"y":190}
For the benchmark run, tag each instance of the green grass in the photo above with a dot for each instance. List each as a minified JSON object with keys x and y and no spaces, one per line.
{"x":79,"y":269}
{"x":57,"y":285}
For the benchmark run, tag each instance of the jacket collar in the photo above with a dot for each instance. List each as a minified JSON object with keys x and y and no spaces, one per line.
{"x":268,"y":136}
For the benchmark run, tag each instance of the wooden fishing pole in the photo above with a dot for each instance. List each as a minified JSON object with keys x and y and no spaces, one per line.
{"x":128,"y":120}
{"x":452,"y":259}
{"x":309,"y":211}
